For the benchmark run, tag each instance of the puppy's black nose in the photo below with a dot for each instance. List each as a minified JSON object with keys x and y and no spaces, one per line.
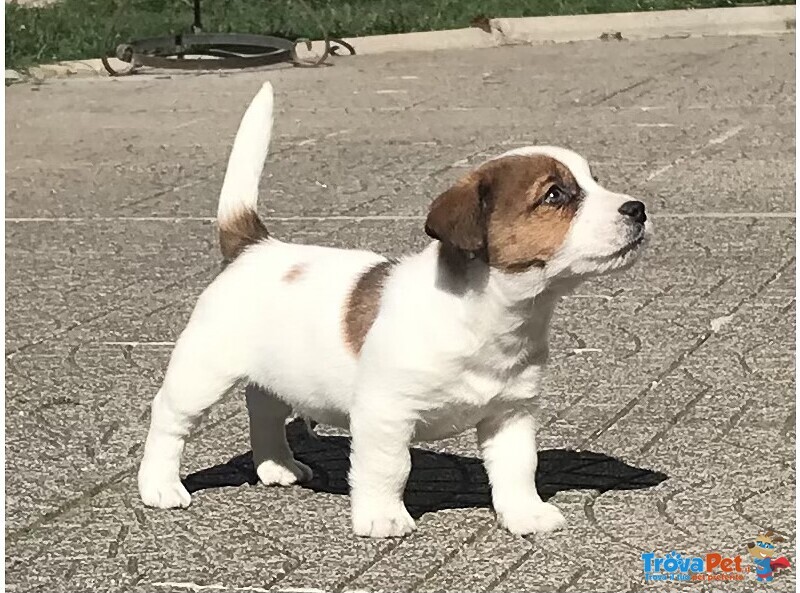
{"x":634,"y":209}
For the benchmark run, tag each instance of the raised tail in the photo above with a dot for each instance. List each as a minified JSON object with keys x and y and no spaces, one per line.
{"x":238,"y":221}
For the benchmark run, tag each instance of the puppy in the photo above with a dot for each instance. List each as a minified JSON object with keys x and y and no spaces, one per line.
{"x":450,"y":338}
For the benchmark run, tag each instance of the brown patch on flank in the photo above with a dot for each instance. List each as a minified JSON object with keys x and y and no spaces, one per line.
{"x":363,"y":304}
{"x":499,"y":211}
{"x":294,"y":273}
{"x":239,"y":232}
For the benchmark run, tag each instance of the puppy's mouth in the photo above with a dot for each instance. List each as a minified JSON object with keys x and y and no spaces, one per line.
{"x":632,"y":245}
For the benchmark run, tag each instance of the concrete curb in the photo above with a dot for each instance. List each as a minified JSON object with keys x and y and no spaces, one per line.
{"x":761,"y":20}
{"x":424,"y":41}
{"x":13,"y":77}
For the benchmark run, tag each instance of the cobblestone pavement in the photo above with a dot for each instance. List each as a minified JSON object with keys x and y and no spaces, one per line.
{"x":669,"y":421}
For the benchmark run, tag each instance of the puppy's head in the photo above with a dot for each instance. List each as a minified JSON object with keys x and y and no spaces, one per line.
{"x":540,"y":207}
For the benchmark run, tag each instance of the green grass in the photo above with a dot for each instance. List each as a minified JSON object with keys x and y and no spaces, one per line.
{"x":80,"y":29}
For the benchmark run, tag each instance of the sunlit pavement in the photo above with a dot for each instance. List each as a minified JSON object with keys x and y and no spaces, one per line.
{"x":668,"y":422}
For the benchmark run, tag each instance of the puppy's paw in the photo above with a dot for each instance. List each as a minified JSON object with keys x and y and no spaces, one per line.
{"x":163,"y":493}
{"x":382,"y":521}
{"x":272,"y":473}
{"x":538,"y":517}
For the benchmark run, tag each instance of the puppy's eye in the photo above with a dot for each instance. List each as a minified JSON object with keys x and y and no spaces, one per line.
{"x":555,"y":196}
{"x":596,"y":180}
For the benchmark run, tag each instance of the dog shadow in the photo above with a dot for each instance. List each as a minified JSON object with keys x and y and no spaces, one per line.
{"x":438,"y":480}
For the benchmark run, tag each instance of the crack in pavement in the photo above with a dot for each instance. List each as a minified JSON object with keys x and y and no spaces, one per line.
{"x":677,"y":361}
{"x":670,"y":71}
{"x":473,"y":537}
{"x":677,"y":417}
{"x":105,"y":313}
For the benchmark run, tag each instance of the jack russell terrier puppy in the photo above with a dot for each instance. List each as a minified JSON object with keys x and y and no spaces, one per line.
{"x":423,"y":348}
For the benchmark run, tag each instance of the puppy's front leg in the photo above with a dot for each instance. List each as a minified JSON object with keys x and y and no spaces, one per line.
{"x":508,"y":443}
{"x":379,"y":466}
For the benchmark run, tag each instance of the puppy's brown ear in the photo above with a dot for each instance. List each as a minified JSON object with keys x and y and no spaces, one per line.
{"x":458,"y":216}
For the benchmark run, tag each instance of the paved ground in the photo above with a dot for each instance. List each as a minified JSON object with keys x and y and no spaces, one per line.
{"x":670,"y":420}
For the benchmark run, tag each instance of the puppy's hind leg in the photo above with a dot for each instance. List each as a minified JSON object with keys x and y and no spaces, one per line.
{"x":272,"y":457}
{"x":195,"y":380}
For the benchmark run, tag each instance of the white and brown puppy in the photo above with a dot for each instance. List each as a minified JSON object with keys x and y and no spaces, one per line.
{"x":450,"y":338}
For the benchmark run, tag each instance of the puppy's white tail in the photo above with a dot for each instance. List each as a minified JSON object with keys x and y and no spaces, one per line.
{"x":239,"y":224}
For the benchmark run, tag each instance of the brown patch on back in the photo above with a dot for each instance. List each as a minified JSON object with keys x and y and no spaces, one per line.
{"x":239,"y":232}
{"x":294,"y":273}
{"x":498,"y":211}
{"x":363,"y":304}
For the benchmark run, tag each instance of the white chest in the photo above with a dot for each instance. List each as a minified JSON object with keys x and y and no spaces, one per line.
{"x":483,"y":386}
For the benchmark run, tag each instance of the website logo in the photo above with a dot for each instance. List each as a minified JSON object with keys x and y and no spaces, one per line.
{"x":763,"y":551}
{"x":675,"y":566}
{"x":763,"y":563}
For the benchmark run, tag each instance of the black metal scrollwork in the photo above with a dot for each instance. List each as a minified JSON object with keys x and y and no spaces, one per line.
{"x":219,"y":51}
